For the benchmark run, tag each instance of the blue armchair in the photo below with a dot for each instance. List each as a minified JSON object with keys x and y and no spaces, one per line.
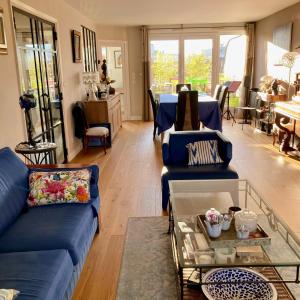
{"x":175,"y":159}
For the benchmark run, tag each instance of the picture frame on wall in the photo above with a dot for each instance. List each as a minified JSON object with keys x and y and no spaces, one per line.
{"x":3,"y":41}
{"x":118,"y":59}
{"x":282,"y":36}
{"x":76,"y":46}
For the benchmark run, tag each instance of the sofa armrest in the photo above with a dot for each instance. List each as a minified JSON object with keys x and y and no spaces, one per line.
{"x":165,"y":149}
{"x":224,"y":148}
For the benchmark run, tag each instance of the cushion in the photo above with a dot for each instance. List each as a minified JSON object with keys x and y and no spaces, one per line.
{"x":206,"y":172}
{"x":13,"y":187}
{"x":39,"y":275}
{"x":97,"y":131}
{"x":66,"y":186}
{"x":175,"y":152}
{"x":203,"y":153}
{"x":57,"y":226}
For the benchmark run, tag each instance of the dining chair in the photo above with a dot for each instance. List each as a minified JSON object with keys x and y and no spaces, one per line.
{"x":217,"y":91}
{"x":154,"y":105}
{"x":222,"y":97}
{"x":88,"y":132}
{"x":179,"y":86}
{"x":187,"y":115}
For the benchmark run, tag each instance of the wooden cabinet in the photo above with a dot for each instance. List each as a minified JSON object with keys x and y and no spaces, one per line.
{"x":105,"y":111}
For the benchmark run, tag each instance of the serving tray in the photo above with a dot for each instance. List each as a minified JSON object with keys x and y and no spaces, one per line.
{"x":228,"y":238}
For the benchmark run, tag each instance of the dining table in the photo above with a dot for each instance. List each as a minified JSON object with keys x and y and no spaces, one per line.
{"x":209,"y":112}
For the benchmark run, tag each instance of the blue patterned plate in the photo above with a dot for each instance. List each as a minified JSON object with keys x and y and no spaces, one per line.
{"x":246,"y":291}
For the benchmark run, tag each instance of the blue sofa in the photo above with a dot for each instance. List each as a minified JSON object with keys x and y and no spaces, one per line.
{"x":42,"y":249}
{"x":175,"y":159}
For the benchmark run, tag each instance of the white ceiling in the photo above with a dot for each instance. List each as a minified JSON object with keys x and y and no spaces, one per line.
{"x":154,"y":12}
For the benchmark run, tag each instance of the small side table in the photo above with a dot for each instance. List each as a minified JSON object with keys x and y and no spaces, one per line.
{"x":43,"y":152}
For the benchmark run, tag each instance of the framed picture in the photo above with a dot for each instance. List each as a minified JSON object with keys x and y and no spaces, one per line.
{"x":282,"y":36}
{"x":3,"y":42}
{"x":118,"y":59}
{"x":76,"y":46}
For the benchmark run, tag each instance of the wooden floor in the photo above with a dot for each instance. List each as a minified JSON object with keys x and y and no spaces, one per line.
{"x":130,"y":186}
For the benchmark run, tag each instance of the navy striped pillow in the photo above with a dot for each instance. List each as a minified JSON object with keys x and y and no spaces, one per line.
{"x":204,"y":153}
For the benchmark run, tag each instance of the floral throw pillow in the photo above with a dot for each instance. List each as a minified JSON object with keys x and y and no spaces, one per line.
{"x":59,"y":187}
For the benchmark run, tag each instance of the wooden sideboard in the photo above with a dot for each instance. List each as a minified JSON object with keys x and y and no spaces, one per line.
{"x":105,"y":111}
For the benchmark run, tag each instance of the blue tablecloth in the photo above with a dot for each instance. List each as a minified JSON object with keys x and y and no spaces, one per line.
{"x":209,"y":112}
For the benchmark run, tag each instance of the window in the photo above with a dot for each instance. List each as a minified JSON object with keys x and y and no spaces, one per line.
{"x":89,"y":50}
{"x":232,"y":62}
{"x":164,"y":66}
{"x":202,"y":59}
{"x":198,"y":64}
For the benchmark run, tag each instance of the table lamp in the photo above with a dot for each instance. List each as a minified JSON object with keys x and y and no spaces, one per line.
{"x":91,"y":79}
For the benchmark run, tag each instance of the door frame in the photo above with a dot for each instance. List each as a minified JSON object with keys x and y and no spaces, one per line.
{"x":125,"y":70}
{"x":36,"y":13}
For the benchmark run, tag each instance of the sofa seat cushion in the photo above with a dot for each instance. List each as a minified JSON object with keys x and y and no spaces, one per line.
{"x":39,"y":275}
{"x":57,"y":226}
{"x":204,"y":172}
{"x":214,"y":171}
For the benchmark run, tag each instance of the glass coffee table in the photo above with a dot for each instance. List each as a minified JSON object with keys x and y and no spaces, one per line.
{"x":195,"y":253}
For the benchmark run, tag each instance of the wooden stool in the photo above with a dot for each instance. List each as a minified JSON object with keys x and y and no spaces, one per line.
{"x":99,"y":132}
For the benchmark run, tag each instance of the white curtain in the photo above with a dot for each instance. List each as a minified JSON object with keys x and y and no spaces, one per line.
{"x":249,"y":67}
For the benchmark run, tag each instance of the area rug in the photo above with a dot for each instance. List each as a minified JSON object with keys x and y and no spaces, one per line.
{"x":147,"y":270}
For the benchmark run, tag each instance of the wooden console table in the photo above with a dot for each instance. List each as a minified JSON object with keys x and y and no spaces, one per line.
{"x":105,"y":111}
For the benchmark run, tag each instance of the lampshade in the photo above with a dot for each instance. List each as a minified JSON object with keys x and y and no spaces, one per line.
{"x":288,"y":59}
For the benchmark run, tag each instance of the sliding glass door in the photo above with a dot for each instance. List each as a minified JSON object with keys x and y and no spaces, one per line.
{"x":232,"y":60}
{"x":38,"y":66}
{"x":198,"y":64}
{"x":164,"y":68}
{"x":203,"y":60}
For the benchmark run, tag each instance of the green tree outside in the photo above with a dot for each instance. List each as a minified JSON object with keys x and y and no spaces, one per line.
{"x":198,"y":72}
{"x":165,"y":72}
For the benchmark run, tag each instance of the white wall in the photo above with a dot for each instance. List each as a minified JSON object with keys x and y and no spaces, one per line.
{"x":132,"y":35}
{"x":264,"y":35}
{"x":11,"y":118}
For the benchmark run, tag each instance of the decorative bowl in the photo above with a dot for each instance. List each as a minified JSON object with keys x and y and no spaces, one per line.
{"x":244,"y":291}
{"x":246,"y":217}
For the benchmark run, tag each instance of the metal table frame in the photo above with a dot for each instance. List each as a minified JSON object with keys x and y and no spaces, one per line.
{"x":275,"y":222}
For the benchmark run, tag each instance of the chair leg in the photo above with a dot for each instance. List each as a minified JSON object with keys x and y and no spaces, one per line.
{"x":154,"y":131}
{"x":233,"y":116}
{"x":85,"y":143}
{"x":103,"y":141}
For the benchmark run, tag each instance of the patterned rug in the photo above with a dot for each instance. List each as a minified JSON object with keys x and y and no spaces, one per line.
{"x":148,"y":270}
